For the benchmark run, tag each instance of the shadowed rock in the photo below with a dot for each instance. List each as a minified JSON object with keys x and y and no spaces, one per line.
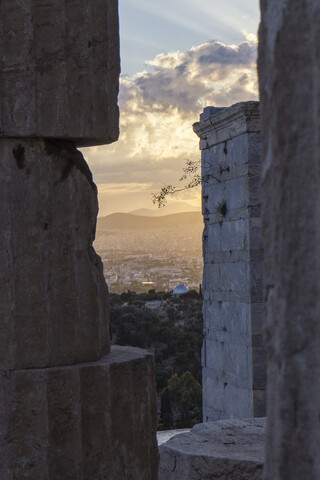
{"x":53,"y":295}
{"x":88,"y":421}
{"x":289,"y":66}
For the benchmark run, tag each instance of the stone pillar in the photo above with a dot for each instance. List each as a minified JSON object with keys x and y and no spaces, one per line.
{"x":233,"y":358}
{"x":70,"y":407}
{"x":289,"y":66}
{"x":59,"y":70}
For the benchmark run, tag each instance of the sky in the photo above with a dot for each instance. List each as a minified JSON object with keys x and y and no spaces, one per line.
{"x":177,"y":56}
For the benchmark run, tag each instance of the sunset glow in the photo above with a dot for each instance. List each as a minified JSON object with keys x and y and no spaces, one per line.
{"x":159,"y":103}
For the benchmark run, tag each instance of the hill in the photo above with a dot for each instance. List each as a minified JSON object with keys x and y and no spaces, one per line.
{"x":178,"y":207}
{"x":129,"y":221}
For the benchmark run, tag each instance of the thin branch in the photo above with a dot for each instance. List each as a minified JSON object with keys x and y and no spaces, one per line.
{"x":190,"y":170}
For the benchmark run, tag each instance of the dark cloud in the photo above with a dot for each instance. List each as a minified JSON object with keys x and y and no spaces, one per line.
{"x":219,"y":54}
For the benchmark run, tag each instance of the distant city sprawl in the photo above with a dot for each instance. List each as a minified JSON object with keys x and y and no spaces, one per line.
{"x":159,"y":257}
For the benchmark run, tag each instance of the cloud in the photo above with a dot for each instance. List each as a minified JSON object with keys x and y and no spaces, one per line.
{"x":159,"y":106}
{"x":179,"y":80}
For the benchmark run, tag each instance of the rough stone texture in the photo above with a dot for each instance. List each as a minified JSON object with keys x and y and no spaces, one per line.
{"x":233,"y":359}
{"x":228,"y":450}
{"x":53,"y":296}
{"x":289,"y":69}
{"x":59,"y":69}
{"x":68,"y":411}
{"x":83,"y":422}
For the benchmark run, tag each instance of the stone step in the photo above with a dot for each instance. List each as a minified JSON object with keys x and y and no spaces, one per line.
{"x":83,"y":422}
{"x":227,"y":449}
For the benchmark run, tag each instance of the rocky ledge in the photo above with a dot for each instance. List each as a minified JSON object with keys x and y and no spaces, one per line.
{"x":224,"y":450}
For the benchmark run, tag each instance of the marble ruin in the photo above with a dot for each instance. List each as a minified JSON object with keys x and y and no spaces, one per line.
{"x":289,"y":67}
{"x":233,"y":357}
{"x":59,"y":70}
{"x":226,"y":449}
{"x":71,"y":407}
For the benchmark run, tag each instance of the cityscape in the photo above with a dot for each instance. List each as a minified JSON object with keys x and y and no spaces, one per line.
{"x":142,"y":258}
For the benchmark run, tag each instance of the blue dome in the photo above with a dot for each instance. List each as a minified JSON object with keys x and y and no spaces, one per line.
{"x":180,"y":289}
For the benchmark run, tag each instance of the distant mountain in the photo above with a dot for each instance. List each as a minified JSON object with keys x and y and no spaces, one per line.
{"x":129,"y":221}
{"x":178,"y":207}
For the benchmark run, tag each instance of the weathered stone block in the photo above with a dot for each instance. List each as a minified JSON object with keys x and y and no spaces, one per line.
{"x":211,"y":239}
{"x":59,"y":70}
{"x":259,"y":370}
{"x":255,"y":234}
{"x":229,"y":123}
{"x":229,"y":450}
{"x":215,"y":356}
{"x":254,"y":189}
{"x":256,"y":280}
{"x":234,"y":192}
{"x":233,"y":277}
{"x":236,"y":318}
{"x":234,"y":235}
{"x":259,"y":402}
{"x":237,"y":401}
{"x":88,"y":421}
{"x":216,"y":387}
{"x":254,"y":153}
{"x":212,"y":277}
{"x":53,"y":296}
{"x":257,"y":318}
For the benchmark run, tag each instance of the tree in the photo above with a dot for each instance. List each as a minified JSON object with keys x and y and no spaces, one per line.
{"x":192,"y":177}
{"x":186,"y":398}
{"x":166,"y":417}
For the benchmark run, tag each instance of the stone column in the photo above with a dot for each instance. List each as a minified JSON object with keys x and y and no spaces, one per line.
{"x":289,"y":71}
{"x":59,"y":65}
{"x":70,"y":407}
{"x":233,"y":356}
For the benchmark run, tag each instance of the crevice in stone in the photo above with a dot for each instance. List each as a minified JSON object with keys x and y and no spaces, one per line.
{"x":18,"y":153}
{"x":74,"y":158}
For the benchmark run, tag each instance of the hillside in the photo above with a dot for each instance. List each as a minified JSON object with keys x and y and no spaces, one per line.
{"x":169,"y":209}
{"x":170,"y":327}
{"x":128,"y":221}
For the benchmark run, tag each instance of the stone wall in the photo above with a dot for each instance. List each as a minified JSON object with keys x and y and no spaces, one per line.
{"x":233,"y":359}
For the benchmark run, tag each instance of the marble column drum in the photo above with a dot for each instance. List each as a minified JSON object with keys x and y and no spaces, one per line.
{"x":89,"y":421}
